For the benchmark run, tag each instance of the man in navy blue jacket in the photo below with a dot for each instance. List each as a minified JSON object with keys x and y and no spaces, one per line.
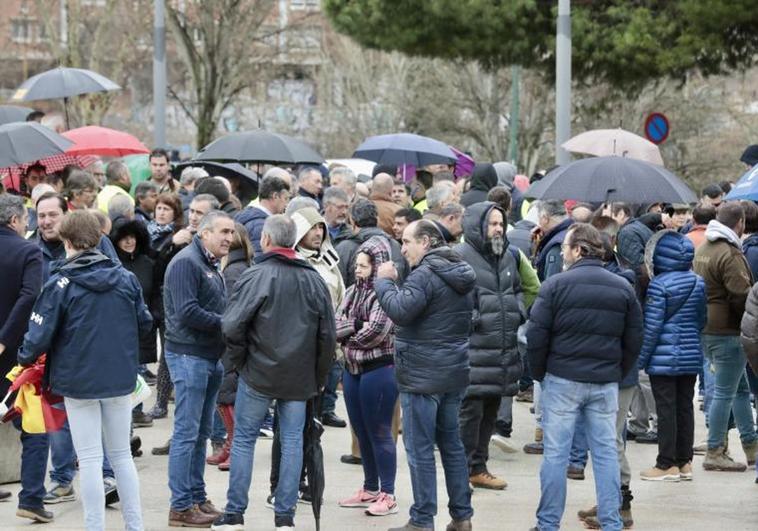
{"x":580,"y":346}
{"x":194,"y":298}
{"x":21,"y":264}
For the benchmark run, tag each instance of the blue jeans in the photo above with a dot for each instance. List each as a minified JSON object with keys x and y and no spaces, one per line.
{"x":99,"y":423}
{"x":63,"y":457}
{"x":329,"y":394}
{"x":730,"y":391}
{"x":430,"y":419}
{"x":196,"y":384}
{"x":370,"y":399}
{"x":708,"y":383}
{"x":250,"y":408}
{"x":34,"y":448}
{"x":563,"y":402}
{"x":218,"y":431}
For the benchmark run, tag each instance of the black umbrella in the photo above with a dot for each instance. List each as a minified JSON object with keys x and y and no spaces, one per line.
{"x":248,"y":179}
{"x":313,"y":459}
{"x":405,"y":148}
{"x":13,"y":113}
{"x":63,"y":83}
{"x":605,"y":179}
{"x":260,"y":146}
{"x":22,"y":142}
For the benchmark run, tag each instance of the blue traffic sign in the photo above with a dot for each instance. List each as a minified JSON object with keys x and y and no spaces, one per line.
{"x":657,"y":128}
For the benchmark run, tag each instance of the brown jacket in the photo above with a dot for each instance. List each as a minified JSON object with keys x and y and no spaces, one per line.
{"x":750,"y":328}
{"x":728,"y":280}
{"x":386,"y":210}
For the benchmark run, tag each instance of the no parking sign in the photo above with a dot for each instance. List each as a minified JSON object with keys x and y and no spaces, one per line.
{"x":657,"y":128}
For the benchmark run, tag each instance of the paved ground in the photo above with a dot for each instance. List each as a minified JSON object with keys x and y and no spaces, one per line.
{"x":712,"y":501}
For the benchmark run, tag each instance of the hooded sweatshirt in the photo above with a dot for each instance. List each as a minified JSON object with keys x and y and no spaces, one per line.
{"x":483,"y":179}
{"x":325,"y":260}
{"x":88,"y":319}
{"x":363,"y":328}
{"x":727,"y":278}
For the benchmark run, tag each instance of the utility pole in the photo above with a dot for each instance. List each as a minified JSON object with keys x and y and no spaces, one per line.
{"x":563,"y":81}
{"x":159,"y":74}
{"x":515,"y":113}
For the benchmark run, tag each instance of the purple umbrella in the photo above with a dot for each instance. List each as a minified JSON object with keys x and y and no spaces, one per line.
{"x":464,"y":165}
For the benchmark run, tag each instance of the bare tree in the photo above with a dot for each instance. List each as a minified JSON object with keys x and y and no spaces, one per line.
{"x":224,"y":46}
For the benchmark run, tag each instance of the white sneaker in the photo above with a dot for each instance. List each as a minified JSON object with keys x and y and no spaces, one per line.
{"x":504,"y":444}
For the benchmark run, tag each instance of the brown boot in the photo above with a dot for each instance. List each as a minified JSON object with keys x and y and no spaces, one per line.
{"x":750,"y":451}
{"x":459,"y":525}
{"x":583,"y":514}
{"x":207,"y":507}
{"x":226,"y":412}
{"x":192,"y":517}
{"x":718,"y":459}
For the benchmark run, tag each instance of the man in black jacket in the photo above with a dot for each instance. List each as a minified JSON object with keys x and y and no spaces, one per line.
{"x":194,"y":298}
{"x":21,"y":264}
{"x":281,"y":337}
{"x":493,"y":348}
{"x":580,"y":346}
{"x":432,"y":310}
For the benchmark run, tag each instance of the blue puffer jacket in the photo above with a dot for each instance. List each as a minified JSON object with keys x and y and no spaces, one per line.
{"x":432,"y":310}
{"x":675,"y":310}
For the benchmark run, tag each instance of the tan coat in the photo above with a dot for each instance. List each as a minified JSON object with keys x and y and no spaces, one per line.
{"x":386,"y":210}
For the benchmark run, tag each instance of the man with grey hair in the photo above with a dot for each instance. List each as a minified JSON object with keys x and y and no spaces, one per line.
{"x":120,"y":207}
{"x":118,"y":183}
{"x":194,"y":298}
{"x":187,"y":181}
{"x":145,"y":195}
{"x":21,"y":264}
{"x":381,"y":195}
{"x":282,"y":347}
{"x":449,"y":221}
{"x":300,"y":202}
{"x":553,"y":222}
{"x":310,"y":183}
{"x":364,"y":218}
{"x":336,"y":203}
{"x":200,"y":205}
{"x":343,"y":178}
{"x":438,"y":196}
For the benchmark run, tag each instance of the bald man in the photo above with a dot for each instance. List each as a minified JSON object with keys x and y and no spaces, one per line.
{"x":381,"y":195}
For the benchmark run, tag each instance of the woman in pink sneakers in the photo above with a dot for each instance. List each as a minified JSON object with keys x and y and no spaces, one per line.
{"x":367,"y":338}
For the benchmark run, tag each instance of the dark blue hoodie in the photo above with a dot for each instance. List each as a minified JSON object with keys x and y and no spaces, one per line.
{"x":88,"y":320}
{"x":253,"y":219}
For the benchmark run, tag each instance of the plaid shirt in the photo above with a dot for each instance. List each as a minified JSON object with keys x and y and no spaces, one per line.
{"x":374,"y":344}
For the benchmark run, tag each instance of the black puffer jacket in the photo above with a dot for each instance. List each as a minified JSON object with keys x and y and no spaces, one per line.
{"x":499,"y":309}
{"x":236,"y":264}
{"x":432,"y":310}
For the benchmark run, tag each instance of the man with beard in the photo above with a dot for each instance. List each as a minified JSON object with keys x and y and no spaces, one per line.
{"x":118,"y":182}
{"x":493,"y":348}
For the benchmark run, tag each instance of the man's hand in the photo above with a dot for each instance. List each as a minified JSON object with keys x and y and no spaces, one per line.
{"x":182,"y":237}
{"x":387,"y":270}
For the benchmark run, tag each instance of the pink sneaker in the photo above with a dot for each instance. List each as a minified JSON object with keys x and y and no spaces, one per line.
{"x":385,"y":504}
{"x":361,"y":498}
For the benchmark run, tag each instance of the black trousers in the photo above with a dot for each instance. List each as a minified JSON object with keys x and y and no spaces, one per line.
{"x":477,"y":422}
{"x":676,"y":418}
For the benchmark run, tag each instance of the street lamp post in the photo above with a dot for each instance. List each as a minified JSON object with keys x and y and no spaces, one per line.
{"x":159,"y":74}
{"x":563,"y":81}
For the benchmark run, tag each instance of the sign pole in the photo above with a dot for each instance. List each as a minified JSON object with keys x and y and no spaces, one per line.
{"x":159,"y":74}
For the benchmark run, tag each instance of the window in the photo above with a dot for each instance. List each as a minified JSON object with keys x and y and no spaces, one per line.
{"x":22,"y":30}
{"x":305,"y":4}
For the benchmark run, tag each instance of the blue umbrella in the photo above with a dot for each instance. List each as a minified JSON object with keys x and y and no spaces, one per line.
{"x":746,"y":187}
{"x":405,"y":148}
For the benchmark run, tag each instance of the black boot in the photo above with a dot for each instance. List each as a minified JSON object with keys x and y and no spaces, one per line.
{"x":626,"y":506}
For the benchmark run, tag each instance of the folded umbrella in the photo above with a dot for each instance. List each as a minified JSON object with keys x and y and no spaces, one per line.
{"x":13,"y":113}
{"x":96,"y":140}
{"x":746,"y":187}
{"x":260,"y":146}
{"x":618,"y":142}
{"x":313,"y":459}
{"x":405,"y":148}
{"x":605,"y":179}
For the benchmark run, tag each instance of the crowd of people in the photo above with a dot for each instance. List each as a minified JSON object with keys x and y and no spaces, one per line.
{"x":433,"y":304}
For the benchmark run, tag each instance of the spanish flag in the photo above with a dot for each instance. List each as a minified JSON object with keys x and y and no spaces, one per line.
{"x":33,"y":403}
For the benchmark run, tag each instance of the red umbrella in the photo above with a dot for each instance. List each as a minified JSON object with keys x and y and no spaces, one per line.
{"x":11,"y":176}
{"x":96,"y":140}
